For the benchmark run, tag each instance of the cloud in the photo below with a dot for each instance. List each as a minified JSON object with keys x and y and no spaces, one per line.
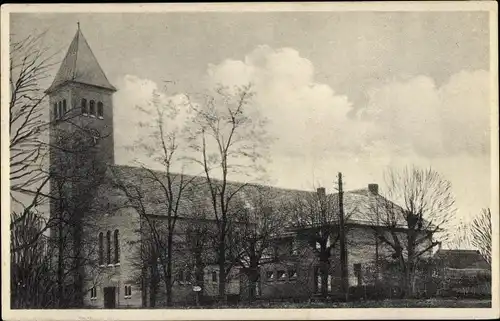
{"x":136,"y":116}
{"x":306,"y":117}
{"x":414,"y":115}
{"x":403,"y":117}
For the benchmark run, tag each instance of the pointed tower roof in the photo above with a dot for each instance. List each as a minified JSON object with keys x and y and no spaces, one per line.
{"x":81,"y":66}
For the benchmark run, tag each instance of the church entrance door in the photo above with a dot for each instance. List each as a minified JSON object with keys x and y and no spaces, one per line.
{"x":110,"y":297}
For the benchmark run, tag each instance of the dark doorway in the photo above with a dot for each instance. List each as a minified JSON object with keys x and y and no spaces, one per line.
{"x":110,"y":297}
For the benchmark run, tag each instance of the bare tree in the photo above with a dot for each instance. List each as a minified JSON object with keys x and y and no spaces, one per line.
{"x":231,"y":141}
{"x":416,"y":207}
{"x":31,"y":277}
{"x":316,"y":219}
{"x":480,"y":234}
{"x":30,"y":65}
{"x":199,"y":236}
{"x":261,"y":219}
{"x":165,"y":146}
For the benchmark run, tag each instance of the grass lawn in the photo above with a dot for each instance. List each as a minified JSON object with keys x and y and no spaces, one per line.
{"x":397,"y":303}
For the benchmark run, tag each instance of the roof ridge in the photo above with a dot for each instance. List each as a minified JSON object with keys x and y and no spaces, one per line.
{"x":92,"y":53}
{"x":77,"y":38}
{"x":229,"y":181}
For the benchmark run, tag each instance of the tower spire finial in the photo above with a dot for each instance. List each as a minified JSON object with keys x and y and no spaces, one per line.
{"x":78,"y":24}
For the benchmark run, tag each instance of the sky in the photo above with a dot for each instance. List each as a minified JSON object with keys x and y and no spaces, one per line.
{"x":350,"y":92}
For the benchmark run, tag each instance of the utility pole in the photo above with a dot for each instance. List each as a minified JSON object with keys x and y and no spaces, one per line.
{"x":343,"y":250}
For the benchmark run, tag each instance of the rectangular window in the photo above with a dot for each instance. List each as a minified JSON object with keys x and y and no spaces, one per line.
{"x":93,"y":293}
{"x":258,"y":290}
{"x":270,"y":276}
{"x":292,"y":275}
{"x":128,"y":291}
{"x":281,"y":275}
{"x":358,"y":274}
{"x":317,"y":278}
{"x":293,"y":248}
{"x":214,"y":276}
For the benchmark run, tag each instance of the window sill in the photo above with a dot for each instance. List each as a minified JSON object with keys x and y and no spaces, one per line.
{"x":127,"y":297}
{"x":117,"y":264}
{"x":93,"y":116}
{"x":93,"y":299}
{"x":84,"y":114}
{"x":100,"y":117}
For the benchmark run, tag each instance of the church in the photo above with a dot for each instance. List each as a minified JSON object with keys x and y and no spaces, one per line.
{"x":104,"y":238}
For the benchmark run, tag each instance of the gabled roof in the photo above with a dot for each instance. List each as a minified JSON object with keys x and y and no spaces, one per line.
{"x":356,"y":204}
{"x":149,"y":185}
{"x":81,"y":66}
{"x":461,"y":259}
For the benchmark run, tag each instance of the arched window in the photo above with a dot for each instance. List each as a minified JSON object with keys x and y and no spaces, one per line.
{"x":100,"y":110}
{"x":101,"y":249}
{"x":92,"y":108}
{"x":65,"y":109}
{"x":117,"y":247}
{"x":84,"y":107}
{"x":55,"y":111}
{"x":108,"y":245}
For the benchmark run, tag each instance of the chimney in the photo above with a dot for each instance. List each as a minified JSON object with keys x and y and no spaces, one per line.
{"x":321,"y":192}
{"x":373,"y":188}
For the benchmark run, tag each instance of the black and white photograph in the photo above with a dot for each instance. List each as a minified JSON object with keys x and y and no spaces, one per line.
{"x":213,"y":158}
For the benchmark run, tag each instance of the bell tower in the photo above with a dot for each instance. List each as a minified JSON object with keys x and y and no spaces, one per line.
{"x":81,"y":147}
{"x":81,"y":97}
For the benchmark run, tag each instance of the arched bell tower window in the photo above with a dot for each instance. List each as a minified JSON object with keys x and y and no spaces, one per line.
{"x":56,"y":116}
{"x":92,"y":108}
{"x":85,"y":112}
{"x":100,"y":110}
{"x":65,"y":110}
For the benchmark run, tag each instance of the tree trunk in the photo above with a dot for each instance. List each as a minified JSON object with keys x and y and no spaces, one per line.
{"x":410,"y":265}
{"x":78,"y":264}
{"x":168,"y":276}
{"x":199,"y":272}
{"x":222,"y":273}
{"x":253,"y":278}
{"x":154,"y":280}
{"x":324,"y":265}
{"x":60,"y":265}
{"x":153,"y":288}
{"x":222,"y":261}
